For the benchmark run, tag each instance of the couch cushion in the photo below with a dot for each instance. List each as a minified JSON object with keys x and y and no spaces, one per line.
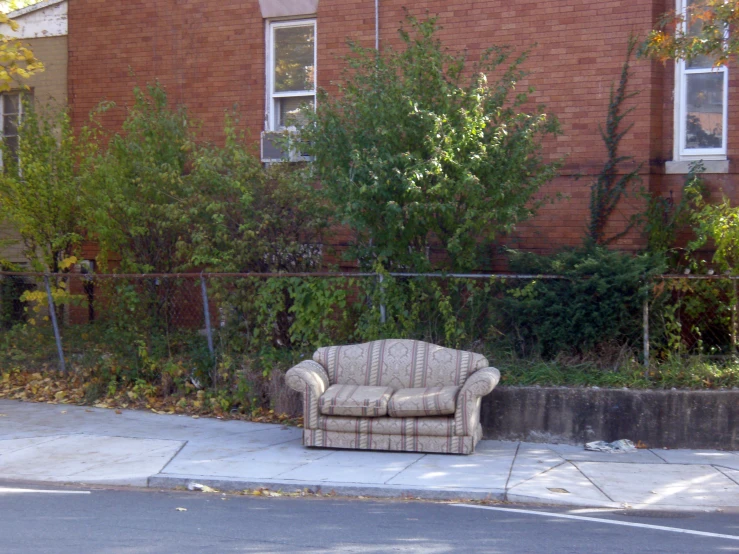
{"x":353,"y":400}
{"x":429,"y":401}
{"x":398,"y":363}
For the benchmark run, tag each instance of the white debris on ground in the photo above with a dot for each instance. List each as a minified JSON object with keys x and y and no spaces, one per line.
{"x":615,"y":447}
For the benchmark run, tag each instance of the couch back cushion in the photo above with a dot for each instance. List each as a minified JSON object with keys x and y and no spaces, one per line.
{"x":398,"y":363}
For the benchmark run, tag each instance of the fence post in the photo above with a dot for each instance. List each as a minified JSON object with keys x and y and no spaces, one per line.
{"x":206,"y":315}
{"x":382,"y":302}
{"x":2,"y":300}
{"x":734,"y":322}
{"x":52,"y":314}
{"x":646,"y":333}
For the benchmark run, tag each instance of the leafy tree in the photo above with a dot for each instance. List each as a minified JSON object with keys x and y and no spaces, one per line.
{"x":711,"y":31}
{"x":419,"y":150}
{"x":42,"y":190}
{"x":17,"y":61}
{"x":142,"y":197}
{"x":254,"y":219}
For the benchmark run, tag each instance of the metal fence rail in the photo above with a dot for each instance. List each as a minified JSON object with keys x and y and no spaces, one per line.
{"x":697,"y":312}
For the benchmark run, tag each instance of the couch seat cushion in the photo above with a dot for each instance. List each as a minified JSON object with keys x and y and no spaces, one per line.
{"x":355,"y":400}
{"x":429,"y":401}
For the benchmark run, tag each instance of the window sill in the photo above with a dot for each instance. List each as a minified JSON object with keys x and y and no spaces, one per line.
{"x":683,"y":167}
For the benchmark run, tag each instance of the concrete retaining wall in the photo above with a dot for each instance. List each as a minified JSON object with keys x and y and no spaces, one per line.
{"x":671,"y":419}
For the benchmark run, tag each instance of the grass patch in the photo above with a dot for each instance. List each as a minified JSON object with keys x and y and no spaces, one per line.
{"x":693,"y":372}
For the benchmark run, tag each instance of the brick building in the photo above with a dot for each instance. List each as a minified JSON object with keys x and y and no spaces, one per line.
{"x":211,"y":55}
{"x":43,"y":27}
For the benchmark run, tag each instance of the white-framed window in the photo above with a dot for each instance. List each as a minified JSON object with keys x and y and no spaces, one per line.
{"x":11,"y":112}
{"x":291,"y":71}
{"x":701,"y":103}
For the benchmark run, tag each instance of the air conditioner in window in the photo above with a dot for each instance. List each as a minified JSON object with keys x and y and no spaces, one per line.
{"x":282,"y":146}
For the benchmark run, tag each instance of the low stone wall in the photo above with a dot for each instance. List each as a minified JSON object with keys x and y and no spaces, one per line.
{"x":669,"y":419}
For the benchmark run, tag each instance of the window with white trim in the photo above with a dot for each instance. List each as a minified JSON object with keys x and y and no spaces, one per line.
{"x":291,"y":72}
{"x":701,"y":98}
{"x":11,"y":111}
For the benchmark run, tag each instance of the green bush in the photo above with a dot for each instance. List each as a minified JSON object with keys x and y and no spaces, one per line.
{"x":598,"y":301}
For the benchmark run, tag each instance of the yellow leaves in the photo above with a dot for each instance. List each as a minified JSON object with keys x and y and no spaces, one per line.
{"x":266,"y":492}
{"x":66,"y":263}
{"x":5,"y":20}
{"x":33,"y":296}
{"x":263,"y":491}
{"x":76,"y":387}
{"x":17,"y":61}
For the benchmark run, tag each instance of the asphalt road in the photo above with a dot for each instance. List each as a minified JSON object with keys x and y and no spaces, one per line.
{"x":75,"y":520}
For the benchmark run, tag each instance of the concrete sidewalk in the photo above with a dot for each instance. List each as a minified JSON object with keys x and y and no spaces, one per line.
{"x":71,"y":444}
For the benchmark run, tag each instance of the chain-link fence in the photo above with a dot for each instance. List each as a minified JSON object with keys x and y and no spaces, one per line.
{"x":693,"y":314}
{"x":204,"y":320}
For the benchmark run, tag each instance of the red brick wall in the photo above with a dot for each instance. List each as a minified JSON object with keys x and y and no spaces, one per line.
{"x":210,"y":56}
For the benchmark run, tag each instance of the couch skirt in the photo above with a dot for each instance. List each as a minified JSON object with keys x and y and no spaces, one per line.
{"x":405,"y":443}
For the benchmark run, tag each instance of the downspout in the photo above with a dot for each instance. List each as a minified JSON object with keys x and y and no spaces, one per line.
{"x":377,"y":25}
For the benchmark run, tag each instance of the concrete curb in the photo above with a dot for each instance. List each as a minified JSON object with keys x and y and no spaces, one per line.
{"x":182,"y":482}
{"x":171,"y":482}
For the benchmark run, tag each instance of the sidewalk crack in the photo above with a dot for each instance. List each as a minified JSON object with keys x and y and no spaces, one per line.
{"x":721,"y":469}
{"x":52,"y":438}
{"x":592,"y":482}
{"x":406,"y":468}
{"x":510,"y":471}
{"x":540,"y":474}
{"x":660,"y":457}
{"x":183,"y":445}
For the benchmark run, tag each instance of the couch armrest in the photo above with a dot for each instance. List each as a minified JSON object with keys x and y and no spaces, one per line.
{"x":310,"y":378}
{"x":467,"y":413}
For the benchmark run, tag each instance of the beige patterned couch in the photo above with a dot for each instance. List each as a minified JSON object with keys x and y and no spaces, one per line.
{"x":393,"y":395}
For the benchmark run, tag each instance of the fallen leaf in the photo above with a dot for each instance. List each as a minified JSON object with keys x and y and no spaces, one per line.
{"x":118,"y":412}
